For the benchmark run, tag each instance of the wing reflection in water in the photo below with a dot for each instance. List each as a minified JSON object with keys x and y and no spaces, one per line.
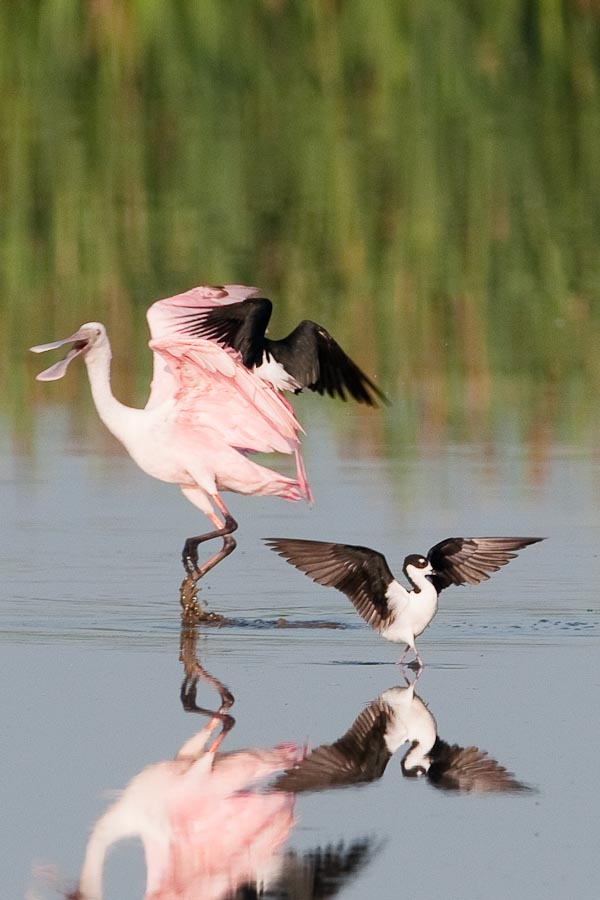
{"x":396,"y":717}
{"x":209,"y":829}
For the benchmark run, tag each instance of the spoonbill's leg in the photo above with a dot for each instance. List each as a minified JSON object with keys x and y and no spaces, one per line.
{"x":223,"y":530}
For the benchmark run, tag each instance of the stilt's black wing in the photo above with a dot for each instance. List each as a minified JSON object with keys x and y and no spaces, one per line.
{"x":455,"y":768}
{"x":360,"y":756}
{"x":363,"y":575}
{"x":470,"y":560}
{"x":240,"y":326}
{"x":316,"y":361}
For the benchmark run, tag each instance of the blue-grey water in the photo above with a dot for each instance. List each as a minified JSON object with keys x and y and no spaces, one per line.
{"x":91,"y":670}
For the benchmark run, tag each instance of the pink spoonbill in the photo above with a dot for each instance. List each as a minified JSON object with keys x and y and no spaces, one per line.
{"x":205,"y":414}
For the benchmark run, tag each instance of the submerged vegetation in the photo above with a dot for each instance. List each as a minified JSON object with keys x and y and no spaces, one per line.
{"x":421,"y":175}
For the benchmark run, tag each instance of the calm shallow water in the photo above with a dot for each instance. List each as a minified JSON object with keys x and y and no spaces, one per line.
{"x":91,"y":669}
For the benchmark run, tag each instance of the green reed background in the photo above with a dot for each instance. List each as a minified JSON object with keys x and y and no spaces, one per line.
{"x":423,"y":176}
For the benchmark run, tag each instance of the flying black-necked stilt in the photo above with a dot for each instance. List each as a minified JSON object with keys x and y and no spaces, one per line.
{"x":235,"y":316}
{"x":364,"y":576}
{"x":396,"y":717}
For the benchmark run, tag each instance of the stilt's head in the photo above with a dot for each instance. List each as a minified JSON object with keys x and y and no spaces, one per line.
{"x":89,"y":338}
{"x":416,"y":763}
{"x":417,"y":567}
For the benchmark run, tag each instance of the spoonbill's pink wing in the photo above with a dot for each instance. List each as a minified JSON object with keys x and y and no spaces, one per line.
{"x":165,"y":316}
{"x":214,"y":391}
{"x":165,"y":319}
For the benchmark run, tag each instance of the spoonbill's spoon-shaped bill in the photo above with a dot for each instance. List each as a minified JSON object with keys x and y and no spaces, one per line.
{"x":79,"y":341}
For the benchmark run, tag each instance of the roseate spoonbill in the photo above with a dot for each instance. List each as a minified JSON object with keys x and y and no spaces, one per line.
{"x":236,"y":317}
{"x":396,"y":717}
{"x":364,"y":576}
{"x":205,"y":414}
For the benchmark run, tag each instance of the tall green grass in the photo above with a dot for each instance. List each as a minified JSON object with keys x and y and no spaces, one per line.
{"x":422,"y":176}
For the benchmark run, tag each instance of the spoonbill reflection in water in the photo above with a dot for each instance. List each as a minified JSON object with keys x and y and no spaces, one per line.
{"x":204,"y":830}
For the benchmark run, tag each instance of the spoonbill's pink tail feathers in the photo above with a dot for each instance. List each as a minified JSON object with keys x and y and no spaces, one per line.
{"x":291,"y":490}
{"x":302,"y":480}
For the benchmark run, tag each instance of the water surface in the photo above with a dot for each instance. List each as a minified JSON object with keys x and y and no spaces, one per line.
{"x":91,"y":666}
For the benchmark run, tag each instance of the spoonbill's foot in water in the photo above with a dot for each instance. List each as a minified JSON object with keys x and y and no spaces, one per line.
{"x":192,"y":612}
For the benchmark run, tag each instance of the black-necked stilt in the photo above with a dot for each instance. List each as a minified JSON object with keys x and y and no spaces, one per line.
{"x":396,"y":717}
{"x":364,"y":576}
{"x":236,"y":317}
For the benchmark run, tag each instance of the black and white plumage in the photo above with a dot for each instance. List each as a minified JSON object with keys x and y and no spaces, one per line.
{"x":364,"y":576}
{"x":396,"y":717}
{"x":308,"y":357}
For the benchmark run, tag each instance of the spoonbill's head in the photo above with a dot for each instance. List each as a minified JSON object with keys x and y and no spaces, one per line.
{"x":88,"y":340}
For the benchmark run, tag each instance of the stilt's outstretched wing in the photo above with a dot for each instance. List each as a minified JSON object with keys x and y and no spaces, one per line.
{"x":363,"y":575}
{"x":456,"y":768}
{"x":361,"y":755}
{"x":471,"y":560}
{"x":316,"y":361}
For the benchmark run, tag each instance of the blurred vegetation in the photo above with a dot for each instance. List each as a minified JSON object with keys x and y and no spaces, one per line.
{"x":422,"y":176}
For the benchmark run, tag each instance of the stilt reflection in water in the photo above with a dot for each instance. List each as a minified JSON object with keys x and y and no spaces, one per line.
{"x":396,"y":717}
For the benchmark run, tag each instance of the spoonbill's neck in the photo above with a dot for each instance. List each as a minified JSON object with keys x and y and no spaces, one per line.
{"x":107,"y":831}
{"x":117,"y":417}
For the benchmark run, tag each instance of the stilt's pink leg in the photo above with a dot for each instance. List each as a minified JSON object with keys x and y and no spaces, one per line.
{"x":401,"y":660}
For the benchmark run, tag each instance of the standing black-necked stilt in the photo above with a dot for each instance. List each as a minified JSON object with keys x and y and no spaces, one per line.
{"x":364,"y":576}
